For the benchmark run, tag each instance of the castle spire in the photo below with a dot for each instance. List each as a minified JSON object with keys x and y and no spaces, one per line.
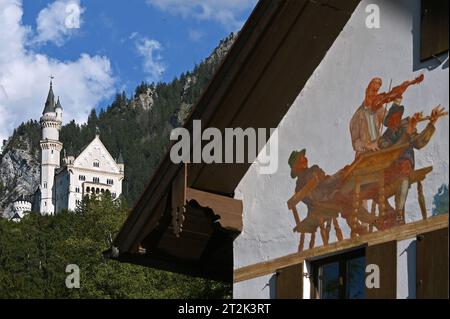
{"x":120,"y":159}
{"x":58,"y":104}
{"x":50,"y":103}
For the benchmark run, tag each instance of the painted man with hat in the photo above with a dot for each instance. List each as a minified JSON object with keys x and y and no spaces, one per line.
{"x":401,"y":131}
{"x":308,"y":178}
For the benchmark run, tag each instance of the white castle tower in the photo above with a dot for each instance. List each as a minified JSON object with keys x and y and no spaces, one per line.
{"x":21,"y":206}
{"x":51,"y":148}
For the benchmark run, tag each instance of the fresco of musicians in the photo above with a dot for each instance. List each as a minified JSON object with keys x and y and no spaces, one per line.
{"x":384,"y":141}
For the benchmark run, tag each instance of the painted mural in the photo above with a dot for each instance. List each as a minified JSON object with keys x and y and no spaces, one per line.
{"x":384,"y":141}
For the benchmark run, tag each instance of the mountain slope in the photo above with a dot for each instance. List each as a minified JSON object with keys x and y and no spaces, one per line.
{"x":137,"y":126}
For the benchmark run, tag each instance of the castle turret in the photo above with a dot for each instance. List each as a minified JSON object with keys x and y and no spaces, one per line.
{"x":51,"y":148}
{"x":58,"y":110}
{"x":21,"y":206}
{"x":120,"y":162}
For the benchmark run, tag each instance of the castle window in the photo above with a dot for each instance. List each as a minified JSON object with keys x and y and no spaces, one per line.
{"x":77,"y":189}
{"x":96,"y":180}
{"x":96,"y":164}
{"x":110,"y":182}
{"x":45,"y":185}
{"x":97,"y":190}
{"x":82,"y":178}
{"x":88,"y":190}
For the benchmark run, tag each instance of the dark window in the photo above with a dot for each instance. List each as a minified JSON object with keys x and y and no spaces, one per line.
{"x":340,"y":277}
{"x":96,"y":180}
{"x":434,"y":28}
{"x":82,"y":178}
{"x":110,"y":182}
{"x":96,"y":164}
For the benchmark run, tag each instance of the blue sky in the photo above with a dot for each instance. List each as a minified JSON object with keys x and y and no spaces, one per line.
{"x":113,"y":46}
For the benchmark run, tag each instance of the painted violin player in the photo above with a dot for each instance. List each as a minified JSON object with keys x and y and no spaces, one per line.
{"x":384,"y":167}
{"x":365,"y":125}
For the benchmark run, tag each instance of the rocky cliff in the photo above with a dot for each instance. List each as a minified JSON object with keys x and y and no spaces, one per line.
{"x":19,"y":167}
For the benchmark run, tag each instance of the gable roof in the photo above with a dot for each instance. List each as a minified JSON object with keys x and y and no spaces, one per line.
{"x":274,"y":55}
{"x":90,"y":146}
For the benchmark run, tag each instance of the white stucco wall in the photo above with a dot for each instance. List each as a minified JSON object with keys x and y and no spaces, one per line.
{"x":258,"y":288}
{"x":319,"y":121}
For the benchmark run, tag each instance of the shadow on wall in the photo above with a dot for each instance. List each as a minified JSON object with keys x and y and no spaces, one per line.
{"x":273,"y":286}
{"x":440,"y":201}
{"x":411,"y":269}
{"x":430,"y":64}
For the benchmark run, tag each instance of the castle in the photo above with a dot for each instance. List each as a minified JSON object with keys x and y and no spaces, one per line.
{"x":61,"y":187}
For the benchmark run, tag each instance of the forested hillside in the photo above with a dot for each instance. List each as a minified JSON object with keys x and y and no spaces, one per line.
{"x":138,"y":126}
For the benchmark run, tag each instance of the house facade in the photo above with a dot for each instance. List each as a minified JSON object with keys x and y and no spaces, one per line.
{"x":319,"y":121}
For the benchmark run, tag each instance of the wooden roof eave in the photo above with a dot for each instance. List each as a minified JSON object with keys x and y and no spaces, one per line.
{"x":263,"y":45}
{"x":228,"y":70}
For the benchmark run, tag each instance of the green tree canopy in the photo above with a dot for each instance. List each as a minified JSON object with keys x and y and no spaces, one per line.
{"x":34,"y":254}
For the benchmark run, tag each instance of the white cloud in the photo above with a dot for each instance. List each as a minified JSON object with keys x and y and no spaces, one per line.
{"x":152,"y":65}
{"x":58,"y":21}
{"x":24,"y":73}
{"x":226,"y":12}
{"x":195,"y":35}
